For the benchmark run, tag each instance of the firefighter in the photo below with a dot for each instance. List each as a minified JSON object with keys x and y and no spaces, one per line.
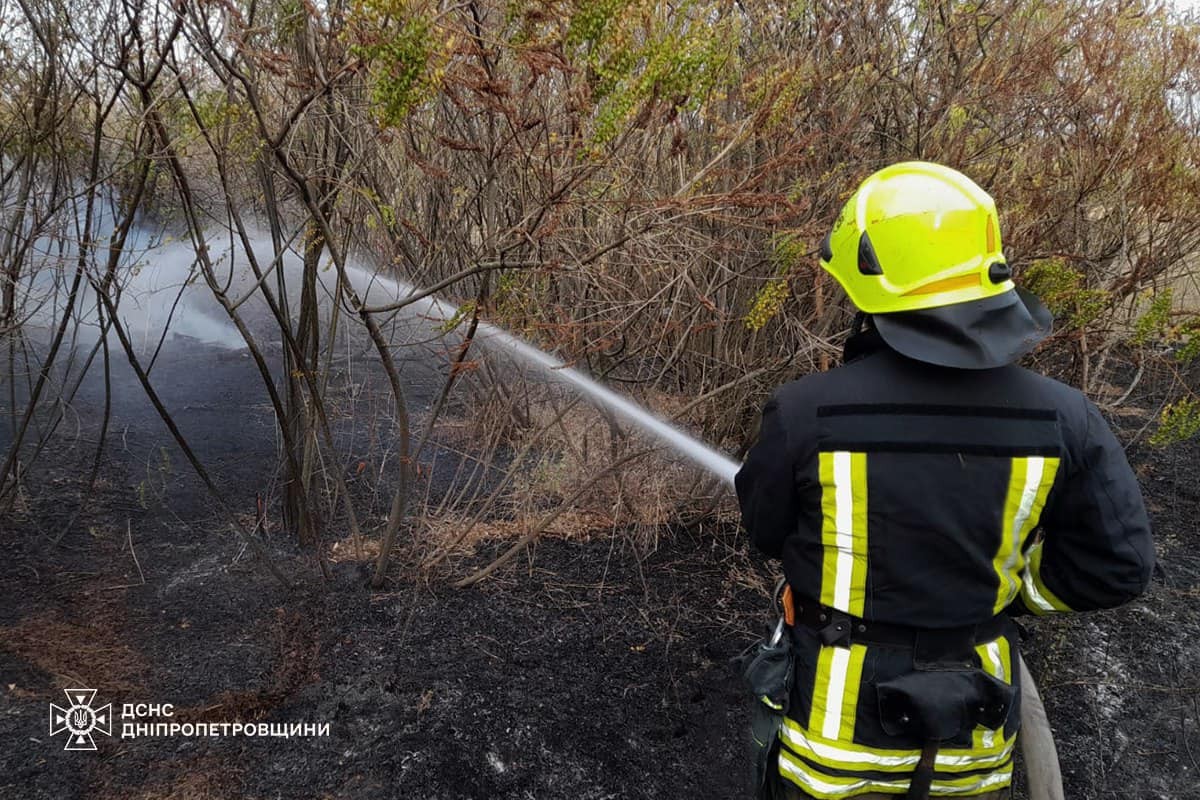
{"x":920,"y":495}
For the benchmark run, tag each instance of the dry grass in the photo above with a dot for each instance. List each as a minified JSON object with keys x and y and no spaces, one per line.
{"x":643,"y":496}
{"x":295,"y":664}
{"x":349,"y":550}
{"x":196,"y":779}
{"x":562,"y":450}
{"x":75,"y":654}
{"x":578,"y":525}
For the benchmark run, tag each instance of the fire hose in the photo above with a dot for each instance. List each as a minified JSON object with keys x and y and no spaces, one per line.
{"x":1037,"y":742}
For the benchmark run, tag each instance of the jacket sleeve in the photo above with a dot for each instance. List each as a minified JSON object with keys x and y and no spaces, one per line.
{"x":766,"y":487}
{"x":1096,"y":551}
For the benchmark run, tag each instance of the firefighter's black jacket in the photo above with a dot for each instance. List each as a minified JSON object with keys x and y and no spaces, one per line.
{"x":923,"y":496}
{"x":939,"y":445}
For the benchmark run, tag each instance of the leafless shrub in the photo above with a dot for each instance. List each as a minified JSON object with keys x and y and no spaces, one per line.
{"x":639,"y":187}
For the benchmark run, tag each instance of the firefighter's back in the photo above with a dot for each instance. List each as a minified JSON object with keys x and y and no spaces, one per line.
{"x":922,"y":493}
{"x":938,"y":475}
{"x":906,"y":515}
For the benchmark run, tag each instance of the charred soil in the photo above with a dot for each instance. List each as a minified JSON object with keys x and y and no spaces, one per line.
{"x":588,"y":669}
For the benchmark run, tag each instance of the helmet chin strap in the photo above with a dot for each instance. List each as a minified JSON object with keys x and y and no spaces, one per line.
{"x":861,"y":320}
{"x":863,"y":338}
{"x":856,"y":326}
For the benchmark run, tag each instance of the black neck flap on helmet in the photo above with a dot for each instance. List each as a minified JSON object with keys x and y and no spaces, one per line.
{"x":980,"y":334}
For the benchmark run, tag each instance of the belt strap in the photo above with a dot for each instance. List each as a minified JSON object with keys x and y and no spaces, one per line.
{"x":838,"y":628}
{"x":922,"y":779}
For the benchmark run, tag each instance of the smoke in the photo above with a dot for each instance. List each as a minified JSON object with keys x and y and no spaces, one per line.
{"x":161,"y":292}
{"x":158,"y":289}
{"x":164,"y":296}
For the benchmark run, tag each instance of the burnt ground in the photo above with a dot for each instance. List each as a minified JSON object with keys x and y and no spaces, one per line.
{"x":590,"y":670}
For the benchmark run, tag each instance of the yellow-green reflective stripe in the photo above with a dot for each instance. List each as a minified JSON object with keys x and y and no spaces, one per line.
{"x":843,"y":478}
{"x":819,"y":714}
{"x":985,"y":738}
{"x":1030,"y":479}
{"x":832,"y":787}
{"x":1039,"y":599}
{"x":850,"y":686}
{"x":828,"y":528}
{"x":1012,"y":501}
{"x":835,"y":691}
{"x":823,"y":788}
{"x":1049,"y":471}
{"x":841,"y":755}
{"x":997,"y":661}
{"x":858,"y":531}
